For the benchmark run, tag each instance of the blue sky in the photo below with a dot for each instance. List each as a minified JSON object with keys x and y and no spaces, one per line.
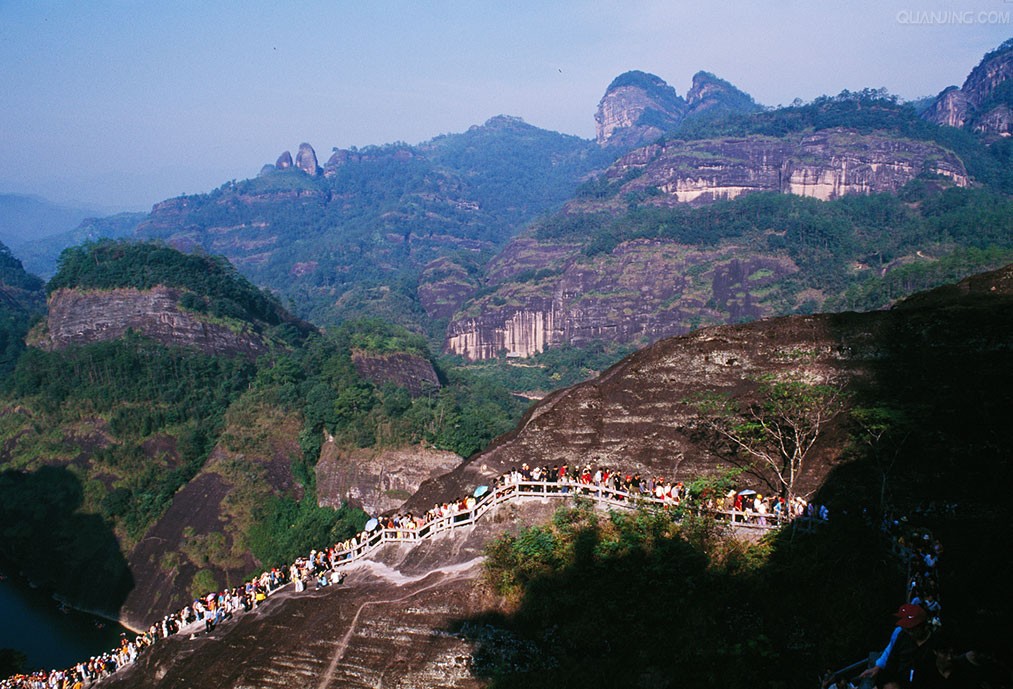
{"x":122,"y":103}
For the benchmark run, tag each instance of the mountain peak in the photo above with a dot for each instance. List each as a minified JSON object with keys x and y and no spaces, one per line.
{"x":637,"y":107}
{"x":984,"y":103}
{"x":715,"y":95}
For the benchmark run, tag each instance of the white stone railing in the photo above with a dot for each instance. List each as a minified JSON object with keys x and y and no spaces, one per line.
{"x":539,"y":490}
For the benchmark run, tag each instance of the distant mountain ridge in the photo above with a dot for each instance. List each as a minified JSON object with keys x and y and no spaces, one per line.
{"x":351,"y":237}
{"x":25,"y":218}
{"x":418,"y":235}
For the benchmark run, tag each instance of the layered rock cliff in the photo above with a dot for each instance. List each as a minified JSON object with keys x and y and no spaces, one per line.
{"x":640,"y":292}
{"x":542,"y":293}
{"x":826,"y":164}
{"x":78,"y":317}
{"x":984,"y":103}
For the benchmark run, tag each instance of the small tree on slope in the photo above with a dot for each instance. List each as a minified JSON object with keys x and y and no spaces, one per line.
{"x":776,"y":433}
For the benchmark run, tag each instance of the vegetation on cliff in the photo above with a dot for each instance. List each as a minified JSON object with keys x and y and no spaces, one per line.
{"x":21,"y":299}
{"x":866,"y":111}
{"x":213,"y":284}
{"x":462,"y":415}
{"x":132,"y":424}
{"x":930,"y":236}
{"x":134,"y":392}
{"x":352,"y":242}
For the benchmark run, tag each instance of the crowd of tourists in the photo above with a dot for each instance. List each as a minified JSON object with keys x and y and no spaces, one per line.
{"x":745,"y":505}
{"x":320,"y":568}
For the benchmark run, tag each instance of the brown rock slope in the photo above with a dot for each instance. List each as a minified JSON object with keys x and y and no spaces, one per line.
{"x":389,"y":624}
{"x":379,"y":481}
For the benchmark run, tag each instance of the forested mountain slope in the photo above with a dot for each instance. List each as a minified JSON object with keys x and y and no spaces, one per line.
{"x":164,"y":440}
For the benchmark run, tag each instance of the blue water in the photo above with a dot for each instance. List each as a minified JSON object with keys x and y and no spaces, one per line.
{"x":31,"y":622}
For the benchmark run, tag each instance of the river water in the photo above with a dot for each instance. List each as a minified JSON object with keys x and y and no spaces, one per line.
{"x":32,"y":622}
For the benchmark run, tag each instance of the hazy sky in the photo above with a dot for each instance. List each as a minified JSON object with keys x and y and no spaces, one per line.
{"x":123,"y":103}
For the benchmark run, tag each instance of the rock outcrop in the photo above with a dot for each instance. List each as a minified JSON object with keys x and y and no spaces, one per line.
{"x":306,"y":160}
{"x":619,"y":297}
{"x":284,"y":161}
{"x":637,"y":107}
{"x":950,"y":108}
{"x":78,"y":317}
{"x":711,"y":95}
{"x":378,"y":481}
{"x":984,"y":103}
{"x":948,"y":344}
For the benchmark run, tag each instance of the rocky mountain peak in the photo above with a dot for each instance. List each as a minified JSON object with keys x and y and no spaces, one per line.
{"x":984,"y":103}
{"x":637,"y":108}
{"x":713,"y":94}
{"x":306,"y":160}
{"x":284,"y":161}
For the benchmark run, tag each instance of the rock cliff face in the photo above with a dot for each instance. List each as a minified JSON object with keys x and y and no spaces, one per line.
{"x":637,"y":107}
{"x":713,"y":96}
{"x":79,"y":317}
{"x":984,"y":103}
{"x":640,"y":292}
{"x":826,"y":165}
{"x":445,"y":285}
{"x":644,"y":290}
{"x":379,"y":481}
{"x":950,"y":108}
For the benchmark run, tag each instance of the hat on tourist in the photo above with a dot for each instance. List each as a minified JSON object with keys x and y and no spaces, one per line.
{"x":910,"y":615}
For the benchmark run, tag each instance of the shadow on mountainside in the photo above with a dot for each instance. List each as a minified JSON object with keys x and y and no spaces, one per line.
{"x":43,"y":533}
{"x":945,"y":375}
{"x":671,"y":611}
